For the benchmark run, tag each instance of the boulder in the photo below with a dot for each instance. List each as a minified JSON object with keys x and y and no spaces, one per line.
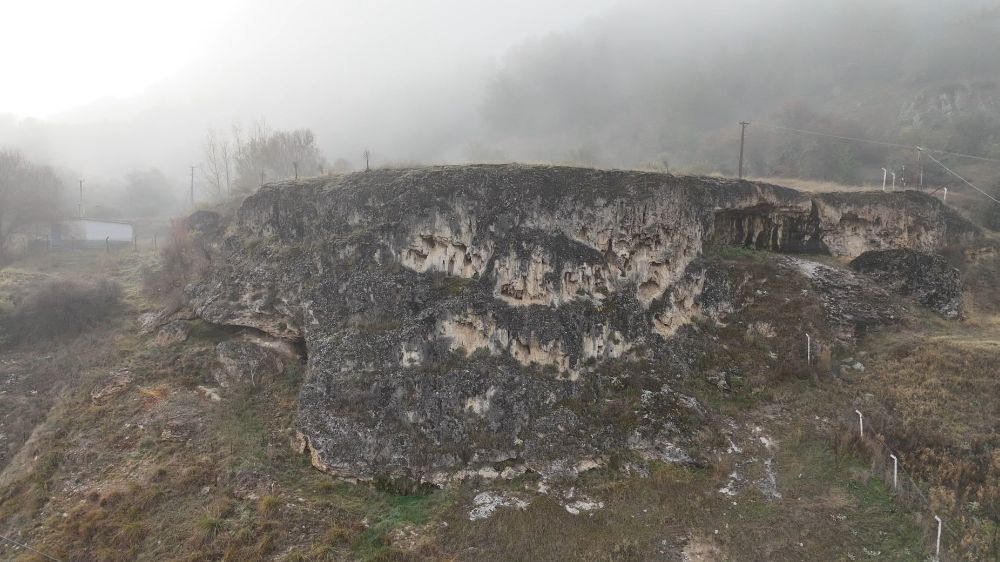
{"x":172,"y":333}
{"x":927,"y":278}
{"x":206,"y":222}
{"x":244,"y":362}
{"x":149,"y":321}
{"x":116,"y":383}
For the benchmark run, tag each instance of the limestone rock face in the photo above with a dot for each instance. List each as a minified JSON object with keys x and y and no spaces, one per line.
{"x":927,"y":278}
{"x":473,"y":320}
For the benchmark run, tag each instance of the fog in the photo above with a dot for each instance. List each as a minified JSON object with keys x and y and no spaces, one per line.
{"x":590,"y":82}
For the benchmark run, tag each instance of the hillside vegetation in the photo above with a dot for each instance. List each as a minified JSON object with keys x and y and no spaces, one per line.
{"x":120,"y":443}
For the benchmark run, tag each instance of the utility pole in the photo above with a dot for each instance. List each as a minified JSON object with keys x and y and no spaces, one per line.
{"x":296,"y":166}
{"x":81,"y":199}
{"x":920,"y":165}
{"x":367,"y":155}
{"x":743,"y":134}
{"x":894,"y":181}
{"x":192,"y":187}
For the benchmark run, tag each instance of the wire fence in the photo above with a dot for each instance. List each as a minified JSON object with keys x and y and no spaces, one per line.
{"x":139,"y":244}
{"x":938,"y":535}
{"x":886,"y":464}
{"x":17,"y":545}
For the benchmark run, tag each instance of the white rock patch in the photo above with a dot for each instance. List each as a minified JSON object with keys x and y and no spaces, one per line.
{"x":580,"y":505}
{"x":486,"y":504}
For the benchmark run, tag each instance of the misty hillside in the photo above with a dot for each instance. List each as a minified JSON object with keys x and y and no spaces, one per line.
{"x":632,"y":88}
{"x":634,"y":84}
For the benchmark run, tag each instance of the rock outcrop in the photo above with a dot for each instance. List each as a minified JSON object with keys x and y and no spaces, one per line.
{"x":472,"y":321}
{"x":853,"y":304}
{"x":927,"y":278}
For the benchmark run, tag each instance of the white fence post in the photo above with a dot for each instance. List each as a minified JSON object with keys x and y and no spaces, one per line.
{"x":808,"y":350}
{"x":861,"y":423}
{"x":937,"y":548}
{"x":895,"y":470}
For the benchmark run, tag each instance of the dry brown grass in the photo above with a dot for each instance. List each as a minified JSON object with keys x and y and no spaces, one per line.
{"x":815,"y":186}
{"x":154,"y":395}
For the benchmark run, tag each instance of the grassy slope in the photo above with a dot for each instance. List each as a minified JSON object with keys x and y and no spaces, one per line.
{"x":161,"y":473}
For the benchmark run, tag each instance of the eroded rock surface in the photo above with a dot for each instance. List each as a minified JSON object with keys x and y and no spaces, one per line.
{"x":474,"y":321}
{"x":854,"y":305}
{"x":927,"y":278}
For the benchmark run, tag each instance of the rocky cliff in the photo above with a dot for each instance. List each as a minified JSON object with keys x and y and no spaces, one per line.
{"x":474,"y":320}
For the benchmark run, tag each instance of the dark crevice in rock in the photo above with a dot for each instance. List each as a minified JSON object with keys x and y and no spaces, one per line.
{"x":767,"y":227}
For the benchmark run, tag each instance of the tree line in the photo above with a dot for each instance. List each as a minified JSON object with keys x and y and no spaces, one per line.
{"x":29,"y":193}
{"x":237,"y":161}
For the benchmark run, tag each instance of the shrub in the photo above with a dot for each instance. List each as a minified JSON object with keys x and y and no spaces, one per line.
{"x":181,"y":262}
{"x":62,"y":308}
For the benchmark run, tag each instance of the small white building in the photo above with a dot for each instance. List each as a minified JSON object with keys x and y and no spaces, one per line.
{"x":86,"y":232}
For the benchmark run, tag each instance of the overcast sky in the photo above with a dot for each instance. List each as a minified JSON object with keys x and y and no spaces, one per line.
{"x":119,"y":85}
{"x":60,"y":54}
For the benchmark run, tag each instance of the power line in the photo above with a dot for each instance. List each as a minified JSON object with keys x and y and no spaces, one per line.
{"x":967,"y":182}
{"x":878,"y":142}
{"x":38,"y":552}
{"x":919,"y":150}
{"x":833,"y":136}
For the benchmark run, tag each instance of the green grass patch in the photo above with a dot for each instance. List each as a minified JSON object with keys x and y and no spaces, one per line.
{"x":400,"y":510}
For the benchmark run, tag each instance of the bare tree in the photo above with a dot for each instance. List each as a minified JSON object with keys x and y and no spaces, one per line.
{"x":217,"y":168}
{"x":238,"y":164}
{"x":29,"y":193}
